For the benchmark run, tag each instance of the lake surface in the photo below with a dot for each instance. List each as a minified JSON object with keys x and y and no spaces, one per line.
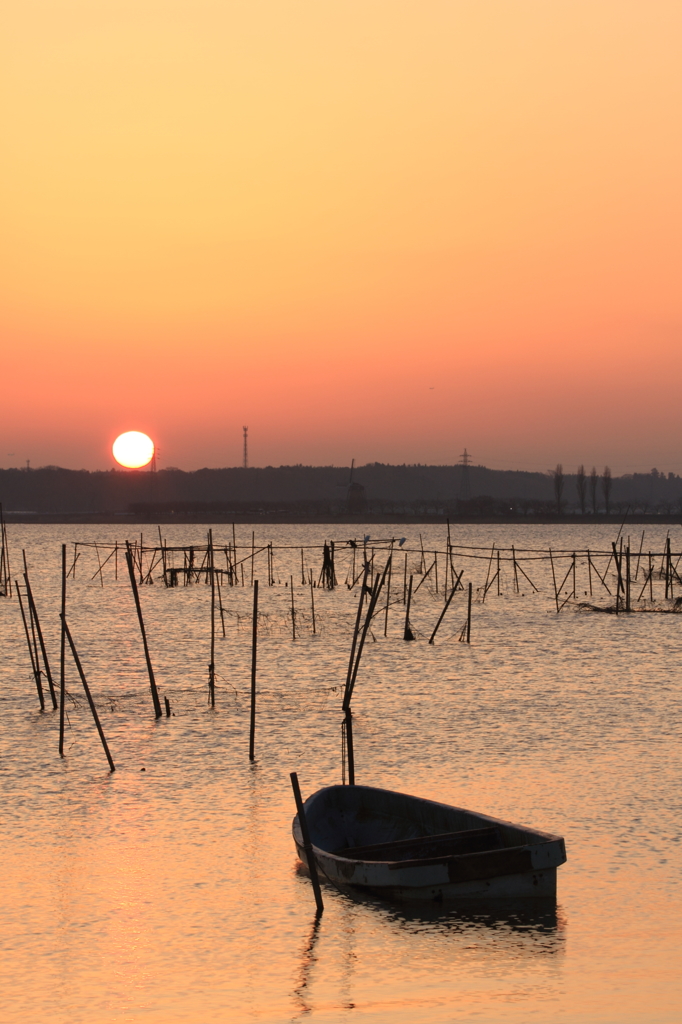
{"x":173,"y":895}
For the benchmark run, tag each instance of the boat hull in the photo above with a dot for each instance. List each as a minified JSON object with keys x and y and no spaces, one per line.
{"x":522,"y":865}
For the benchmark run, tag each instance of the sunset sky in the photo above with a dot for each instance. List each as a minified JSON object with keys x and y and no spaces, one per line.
{"x":380,"y":229}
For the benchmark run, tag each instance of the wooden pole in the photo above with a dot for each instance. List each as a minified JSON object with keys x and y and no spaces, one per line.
{"x":34,"y":614}
{"x":293,"y":609}
{"x":376,"y":590}
{"x":651,"y":579}
{"x":34,"y":667}
{"x":627,"y":579}
{"x":150,"y":670}
{"x":442,"y":614}
{"x":350,"y":750}
{"x":211,"y":667}
{"x":307,"y":845}
{"x":220,"y":604}
{"x":356,"y":630}
{"x":469,"y":616}
{"x":407,"y":632}
{"x":487,"y":575}
{"x":388,"y":590}
{"x":312,"y":602}
{"x":62,"y":658}
{"x":5,"y":571}
{"x":34,"y":641}
{"x":91,"y":702}
{"x":556,"y":595}
{"x":620,"y":586}
{"x":254,"y":648}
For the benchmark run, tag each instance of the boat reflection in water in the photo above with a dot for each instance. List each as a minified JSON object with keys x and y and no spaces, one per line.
{"x":483,"y":942}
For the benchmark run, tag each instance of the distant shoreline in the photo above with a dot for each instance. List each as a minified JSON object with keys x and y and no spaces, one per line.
{"x":136,"y":519}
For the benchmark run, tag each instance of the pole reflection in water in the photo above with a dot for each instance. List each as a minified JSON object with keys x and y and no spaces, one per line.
{"x":472,"y":935}
{"x":308,"y":961}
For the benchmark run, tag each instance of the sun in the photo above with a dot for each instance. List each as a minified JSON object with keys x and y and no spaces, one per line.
{"x":133,"y":449}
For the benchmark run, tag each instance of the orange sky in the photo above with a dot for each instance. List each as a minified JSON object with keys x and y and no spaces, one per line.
{"x":366,"y":228}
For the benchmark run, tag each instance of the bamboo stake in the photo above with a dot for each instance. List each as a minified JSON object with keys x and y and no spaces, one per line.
{"x":407,"y":632}
{"x":34,"y":615}
{"x":651,"y":579}
{"x":211,"y":667}
{"x":487,"y":575}
{"x":136,"y":596}
{"x":5,"y":571}
{"x":556,"y":595}
{"x":91,"y":702}
{"x":34,"y":666}
{"x":469,"y":615}
{"x":376,"y":590}
{"x":312,"y":602}
{"x":350,"y":750}
{"x":442,"y":614}
{"x":356,"y":629}
{"x":388,"y":590}
{"x":31,"y":621}
{"x":627,"y":579}
{"x":293,"y":610}
{"x":254,"y":647}
{"x":307,"y":845}
{"x":99,"y":563}
{"x":620,"y":587}
{"x":220,"y":605}
{"x":62,"y":658}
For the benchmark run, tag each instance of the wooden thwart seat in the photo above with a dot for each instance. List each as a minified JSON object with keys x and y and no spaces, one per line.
{"x":473,"y":840}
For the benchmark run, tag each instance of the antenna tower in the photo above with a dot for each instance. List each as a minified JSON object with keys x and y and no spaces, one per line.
{"x":464,"y":484}
{"x":246,"y":447}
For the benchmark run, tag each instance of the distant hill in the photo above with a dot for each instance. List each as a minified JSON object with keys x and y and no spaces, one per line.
{"x":377,"y":489}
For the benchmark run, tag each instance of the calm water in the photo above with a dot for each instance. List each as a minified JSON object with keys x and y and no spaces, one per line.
{"x":172,"y":895}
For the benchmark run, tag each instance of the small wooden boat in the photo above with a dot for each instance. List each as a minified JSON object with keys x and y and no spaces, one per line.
{"x":405,"y":848}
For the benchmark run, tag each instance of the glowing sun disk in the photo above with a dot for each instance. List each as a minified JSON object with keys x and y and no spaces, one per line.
{"x":133,"y":449}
